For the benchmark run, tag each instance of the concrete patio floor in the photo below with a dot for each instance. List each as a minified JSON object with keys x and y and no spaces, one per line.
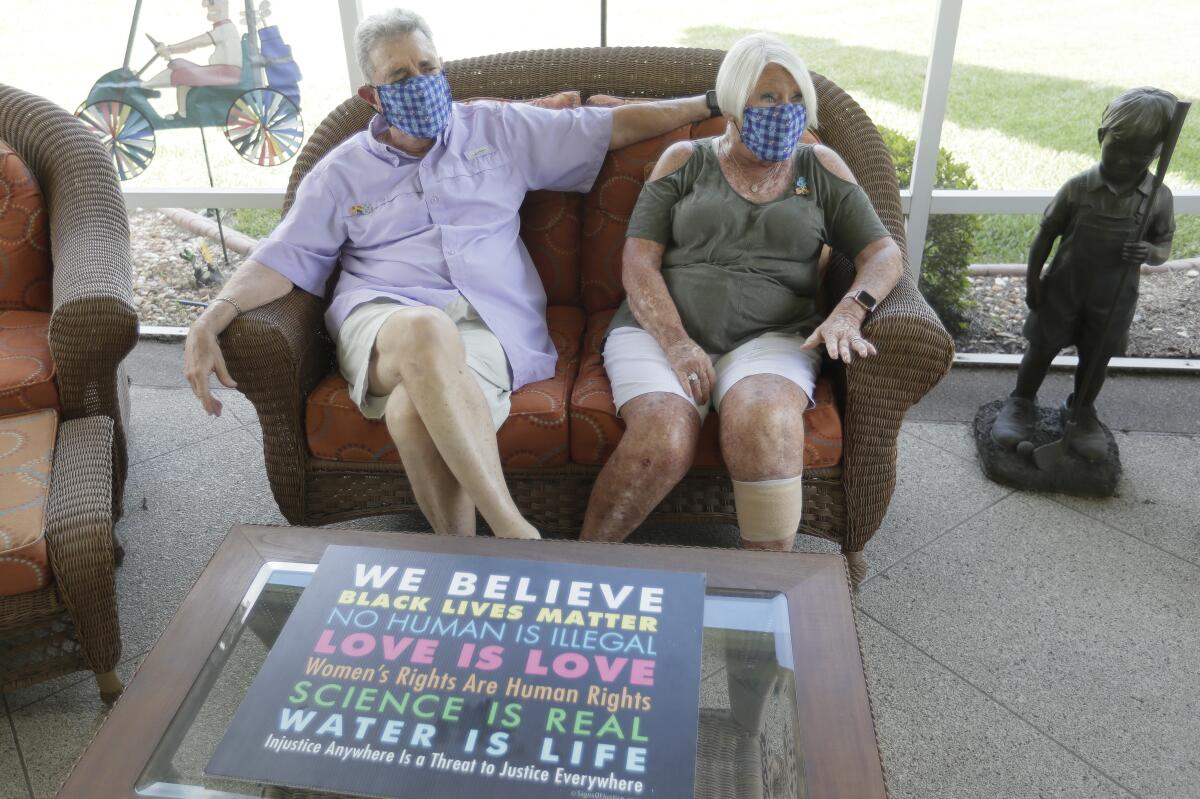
{"x":1016,"y":645}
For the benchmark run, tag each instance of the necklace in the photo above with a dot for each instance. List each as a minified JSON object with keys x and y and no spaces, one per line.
{"x":772,"y":172}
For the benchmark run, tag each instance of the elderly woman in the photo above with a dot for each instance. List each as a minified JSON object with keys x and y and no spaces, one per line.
{"x":721,"y":269}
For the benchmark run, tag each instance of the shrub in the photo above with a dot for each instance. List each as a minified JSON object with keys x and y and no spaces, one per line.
{"x":950,"y":239}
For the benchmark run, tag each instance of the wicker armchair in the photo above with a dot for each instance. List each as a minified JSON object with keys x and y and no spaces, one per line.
{"x":279,"y":352}
{"x":94,"y":324}
{"x":71,"y":624}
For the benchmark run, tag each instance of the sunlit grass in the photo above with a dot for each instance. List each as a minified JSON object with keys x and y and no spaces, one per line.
{"x":1014,"y":129}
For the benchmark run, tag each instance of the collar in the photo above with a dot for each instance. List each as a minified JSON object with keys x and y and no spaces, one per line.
{"x":1095,"y":180}
{"x":396,"y":156}
{"x":220,"y":22}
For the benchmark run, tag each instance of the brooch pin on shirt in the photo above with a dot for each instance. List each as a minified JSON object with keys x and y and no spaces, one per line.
{"x":802,"y":186}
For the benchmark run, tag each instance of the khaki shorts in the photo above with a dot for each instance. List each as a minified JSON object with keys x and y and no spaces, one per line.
{"x":637,"y":365}
{"x":485,"y":356}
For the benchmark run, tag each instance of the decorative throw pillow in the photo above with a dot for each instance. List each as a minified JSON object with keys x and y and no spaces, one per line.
{"x":24,"y":237}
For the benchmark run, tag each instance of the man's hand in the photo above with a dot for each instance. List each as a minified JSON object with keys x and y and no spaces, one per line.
{"x":251,"y":286}
{"x":1136,"y":253}
{"x":841,"y":333}
{"x":693,"y":368}
{"x":201,"y":357}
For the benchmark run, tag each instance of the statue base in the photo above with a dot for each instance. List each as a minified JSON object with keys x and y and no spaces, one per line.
{"x":1079,"y":477}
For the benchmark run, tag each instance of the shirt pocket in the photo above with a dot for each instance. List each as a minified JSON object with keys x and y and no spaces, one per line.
{"x":380,"y":222}
{"x":476,"y":163}
{"x":482,"y":190}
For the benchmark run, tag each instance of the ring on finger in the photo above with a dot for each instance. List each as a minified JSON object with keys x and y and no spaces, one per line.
{"x":692,"y":377}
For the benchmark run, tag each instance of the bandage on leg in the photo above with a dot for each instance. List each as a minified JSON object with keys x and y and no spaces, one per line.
{"x":768,"y":511}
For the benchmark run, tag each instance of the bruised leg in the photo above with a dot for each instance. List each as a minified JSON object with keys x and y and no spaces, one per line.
{"x":422,"y":348}
{"x":439,"y":494}
{"x":655,"y":453}
{"x":762,"y":441}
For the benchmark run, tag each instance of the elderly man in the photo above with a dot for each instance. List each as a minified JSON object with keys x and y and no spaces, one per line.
{"x":438,"y":314}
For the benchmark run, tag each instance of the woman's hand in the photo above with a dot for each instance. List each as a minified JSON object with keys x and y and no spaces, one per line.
{"x":841,"y":332}
{"x":693,"y":368}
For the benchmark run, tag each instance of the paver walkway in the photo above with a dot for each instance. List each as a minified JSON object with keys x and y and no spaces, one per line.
{"x":1016,"y":645}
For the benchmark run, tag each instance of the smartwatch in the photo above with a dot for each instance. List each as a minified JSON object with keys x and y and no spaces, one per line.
{"x":710,"y":97}
{"x":864,"y":299}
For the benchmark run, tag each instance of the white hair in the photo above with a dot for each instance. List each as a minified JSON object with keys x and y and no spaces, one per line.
{"x":744,"y":64}
{"x":379,"y":28}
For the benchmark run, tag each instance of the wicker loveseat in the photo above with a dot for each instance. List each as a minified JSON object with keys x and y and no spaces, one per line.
{"x":66,"y":323}
{"x":326,"y":464}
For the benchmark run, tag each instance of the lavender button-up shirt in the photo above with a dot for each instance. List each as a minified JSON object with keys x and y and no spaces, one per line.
{"x":423,"y":231}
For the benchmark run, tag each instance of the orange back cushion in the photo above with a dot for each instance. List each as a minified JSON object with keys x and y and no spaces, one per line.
{"x":24,"y":237}
{"x":550,"y":223}
{"x":607,"y":207}
{"x":606,"y":210}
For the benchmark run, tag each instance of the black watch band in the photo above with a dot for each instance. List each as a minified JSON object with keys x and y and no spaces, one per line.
{"x":710,"y":97}
{"x":865,"y":299}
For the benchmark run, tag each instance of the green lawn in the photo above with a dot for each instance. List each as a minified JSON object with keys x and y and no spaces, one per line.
{"x":256,"y":222}
{"x":1053,"y":113}
{"x":1005,"y":239}
{"x":1014,"y":129}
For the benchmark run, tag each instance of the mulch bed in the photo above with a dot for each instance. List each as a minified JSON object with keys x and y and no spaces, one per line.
{"x":161,"y":277}
{"x":1167,"y":324}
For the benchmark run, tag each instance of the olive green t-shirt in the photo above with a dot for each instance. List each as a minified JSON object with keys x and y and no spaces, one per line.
{"x":737,"y":269}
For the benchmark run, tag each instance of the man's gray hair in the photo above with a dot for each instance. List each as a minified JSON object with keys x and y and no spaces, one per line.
{"x":379,"y":28}
{"x":745,"y":62}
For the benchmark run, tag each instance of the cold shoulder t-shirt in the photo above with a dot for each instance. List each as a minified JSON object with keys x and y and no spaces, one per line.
{"x":737,"y":269}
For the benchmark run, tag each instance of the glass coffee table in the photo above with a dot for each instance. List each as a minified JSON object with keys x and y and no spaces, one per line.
{"x":784,"y":710}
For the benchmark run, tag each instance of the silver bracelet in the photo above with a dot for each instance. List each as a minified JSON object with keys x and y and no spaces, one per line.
{"x":236,"y":307}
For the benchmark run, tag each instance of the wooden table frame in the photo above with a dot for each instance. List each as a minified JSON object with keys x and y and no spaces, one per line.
{"x":838,"y":745}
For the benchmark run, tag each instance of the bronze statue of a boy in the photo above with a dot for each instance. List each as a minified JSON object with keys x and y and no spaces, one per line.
{"x":1097,"y":215}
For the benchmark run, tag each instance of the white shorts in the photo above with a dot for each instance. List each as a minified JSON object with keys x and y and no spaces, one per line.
{"x":637,"y":365}
{"x":485,"y":356}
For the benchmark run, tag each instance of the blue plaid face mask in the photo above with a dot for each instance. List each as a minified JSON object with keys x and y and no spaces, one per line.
{"x":419,"y":106}
{"x":771,"y":131}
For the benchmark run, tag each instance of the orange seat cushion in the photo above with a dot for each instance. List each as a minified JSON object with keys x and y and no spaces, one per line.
{"x":534,"y":436}
{"x":550,"y":221}
{"x":26,"y":368}
{"x":26,"y":453}
{"x":596,"y":428}
{"x":24,"y":237}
